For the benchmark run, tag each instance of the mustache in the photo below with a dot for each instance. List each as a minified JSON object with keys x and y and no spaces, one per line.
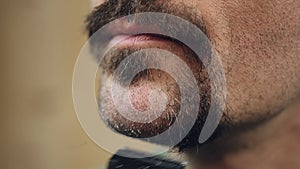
{"x":115,"y":9}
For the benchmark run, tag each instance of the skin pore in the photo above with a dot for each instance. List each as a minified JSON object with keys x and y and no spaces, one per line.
{"x":259,"y":45}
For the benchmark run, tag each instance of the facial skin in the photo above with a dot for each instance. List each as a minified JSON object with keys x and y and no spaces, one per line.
{"x":259,"y":45}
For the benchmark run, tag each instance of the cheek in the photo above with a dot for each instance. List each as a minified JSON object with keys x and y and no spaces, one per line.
{"x":262,"y":72}
{"x":260,"y":83}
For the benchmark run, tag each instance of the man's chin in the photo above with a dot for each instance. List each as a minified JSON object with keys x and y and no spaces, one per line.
{"x":127,"y":125}
{"x":152,"y":101}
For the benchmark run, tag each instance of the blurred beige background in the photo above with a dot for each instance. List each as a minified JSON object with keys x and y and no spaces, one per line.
{"x":40,"y":40}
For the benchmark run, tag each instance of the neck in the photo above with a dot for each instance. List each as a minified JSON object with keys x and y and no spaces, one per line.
{"x":272,"y":145}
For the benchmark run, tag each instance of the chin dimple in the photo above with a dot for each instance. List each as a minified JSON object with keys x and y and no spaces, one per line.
{"x":139,"y":97}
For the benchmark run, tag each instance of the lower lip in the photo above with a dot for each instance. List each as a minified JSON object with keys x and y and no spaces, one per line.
{"x":126,"y":40}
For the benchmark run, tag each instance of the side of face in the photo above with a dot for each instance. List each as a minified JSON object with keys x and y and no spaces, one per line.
{"x":259,"y":45}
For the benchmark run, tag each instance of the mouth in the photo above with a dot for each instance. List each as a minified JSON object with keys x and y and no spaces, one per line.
{"x":127,"y":34}
{"x":142,"y":40}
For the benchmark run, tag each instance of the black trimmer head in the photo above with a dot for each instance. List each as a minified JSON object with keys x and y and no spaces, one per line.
{"x":120,"y":162}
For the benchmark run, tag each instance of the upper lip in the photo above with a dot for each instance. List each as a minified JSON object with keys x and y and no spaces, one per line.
{"x":122,"y":27}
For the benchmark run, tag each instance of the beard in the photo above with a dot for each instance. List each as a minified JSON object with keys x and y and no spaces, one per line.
{"x":154,"y":78}
{"x":159,"y":80}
